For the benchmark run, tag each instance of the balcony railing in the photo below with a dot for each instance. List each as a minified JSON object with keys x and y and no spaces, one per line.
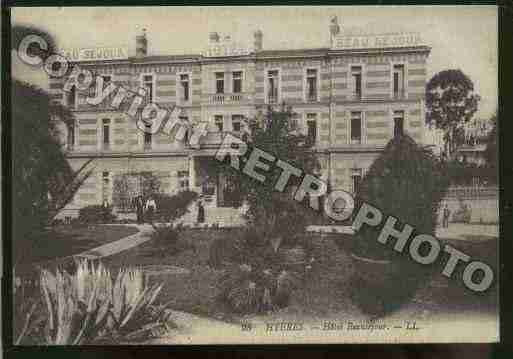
{"x":311,"y":97}
{"x":472,"y":192}
{"x":272,"y":98}
{"x":222,"y":98}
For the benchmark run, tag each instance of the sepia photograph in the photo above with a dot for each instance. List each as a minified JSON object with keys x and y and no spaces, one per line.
{"x":254,"y":175}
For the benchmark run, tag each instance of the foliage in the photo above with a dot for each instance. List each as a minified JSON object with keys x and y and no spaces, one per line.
{"x":406,"y":181}
{"x":450,"y":102}
{"x":96,"y":213}
{"x":276,"y":133}
{"x":43,"y":181}
{"x":19,"y":32}
{"x":492,"y":151}
{"x":90,"y":307}
{"x":170,"y":208}
{"x":260,"y":274}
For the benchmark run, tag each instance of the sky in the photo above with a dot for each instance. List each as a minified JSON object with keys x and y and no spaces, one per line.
{"x":462,"y":38}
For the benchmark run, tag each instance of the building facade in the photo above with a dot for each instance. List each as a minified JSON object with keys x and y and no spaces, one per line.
{"x":351,"y":99}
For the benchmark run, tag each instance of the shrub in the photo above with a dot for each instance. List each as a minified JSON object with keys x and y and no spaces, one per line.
{"x":173,"y":207}
{"x":166,"y":240}
{"x":96,"y":214}
{"x":407,"y":182}
{"x":260,"y":275}
{"x":91,"y":307}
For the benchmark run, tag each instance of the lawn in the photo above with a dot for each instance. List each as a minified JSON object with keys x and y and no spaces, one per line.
{"x":325,"y":292}
{"x":66,"y":240}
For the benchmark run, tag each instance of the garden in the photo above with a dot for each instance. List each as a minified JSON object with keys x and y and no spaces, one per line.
{"x":272,"y":268}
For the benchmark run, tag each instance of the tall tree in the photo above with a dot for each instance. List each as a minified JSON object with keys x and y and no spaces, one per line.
{"x":450,"y":102}
{"x":271,"y":213}
{"x":43,"y":180}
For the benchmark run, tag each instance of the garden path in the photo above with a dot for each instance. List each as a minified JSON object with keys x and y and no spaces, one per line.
{"x":144,"y":235}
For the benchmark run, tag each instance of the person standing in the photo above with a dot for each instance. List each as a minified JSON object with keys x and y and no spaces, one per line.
{"x":105,"y":211}
{"x":201,"y":212}
{"x":446,"y":215}
{"x":139,"y":205}
{"x":150,"y":208}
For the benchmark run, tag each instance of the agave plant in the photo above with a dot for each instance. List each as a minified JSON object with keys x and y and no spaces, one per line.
{"x":75,"y":316}
{"x":132,"y":304}
{"x":89,"y":307}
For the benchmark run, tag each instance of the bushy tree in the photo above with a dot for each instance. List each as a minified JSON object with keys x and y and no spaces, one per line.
{"x":170,"y":208}
{"x":450,"y":102}
{"x":43,"y":182}
{"x":270,"y":212}
{"x":408,"y":182}
{"x":492,"y":151}
{"x":267,"y":262}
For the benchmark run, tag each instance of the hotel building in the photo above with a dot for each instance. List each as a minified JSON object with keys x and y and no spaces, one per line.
{"x":351,"y":99}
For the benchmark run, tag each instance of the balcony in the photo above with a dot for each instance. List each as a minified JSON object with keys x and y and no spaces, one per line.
{"x":272,"y":98}
{"x":227,"y":99}
{"x":312,"y":97}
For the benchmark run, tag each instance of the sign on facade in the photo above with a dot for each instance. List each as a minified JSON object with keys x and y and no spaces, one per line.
{"x":96,"y":53}
{"x":342,"y":42}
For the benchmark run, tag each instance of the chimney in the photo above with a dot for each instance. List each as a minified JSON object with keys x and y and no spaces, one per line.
{"x":213,"y":38}
{"x":141,"y":44}
{"x":258,"y":43}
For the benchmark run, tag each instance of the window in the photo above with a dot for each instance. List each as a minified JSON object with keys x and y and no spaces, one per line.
{"x":356,"y":179}
{"x":184,"y":82}
{"x":218,"y":120}
{"x":183,"y":180}
{"x":105,"y":186}
{"x":148,"y":86}
{"x":106,"y":133}
{"x":356,"y":127}
{"x":398,"y":81}
{"x":311,"y":122}
{"x":236,"y":123}
{"x":71,"y":136}
{"x":272,"y":86}
{"x":237,"y":82}
{"x":72,"y":97}
{"x":398,"y":123}
{"x":356,"y":74}
{"x":219,"y":82}
{"x":311,"y":85}
{"x":147,"y":137}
